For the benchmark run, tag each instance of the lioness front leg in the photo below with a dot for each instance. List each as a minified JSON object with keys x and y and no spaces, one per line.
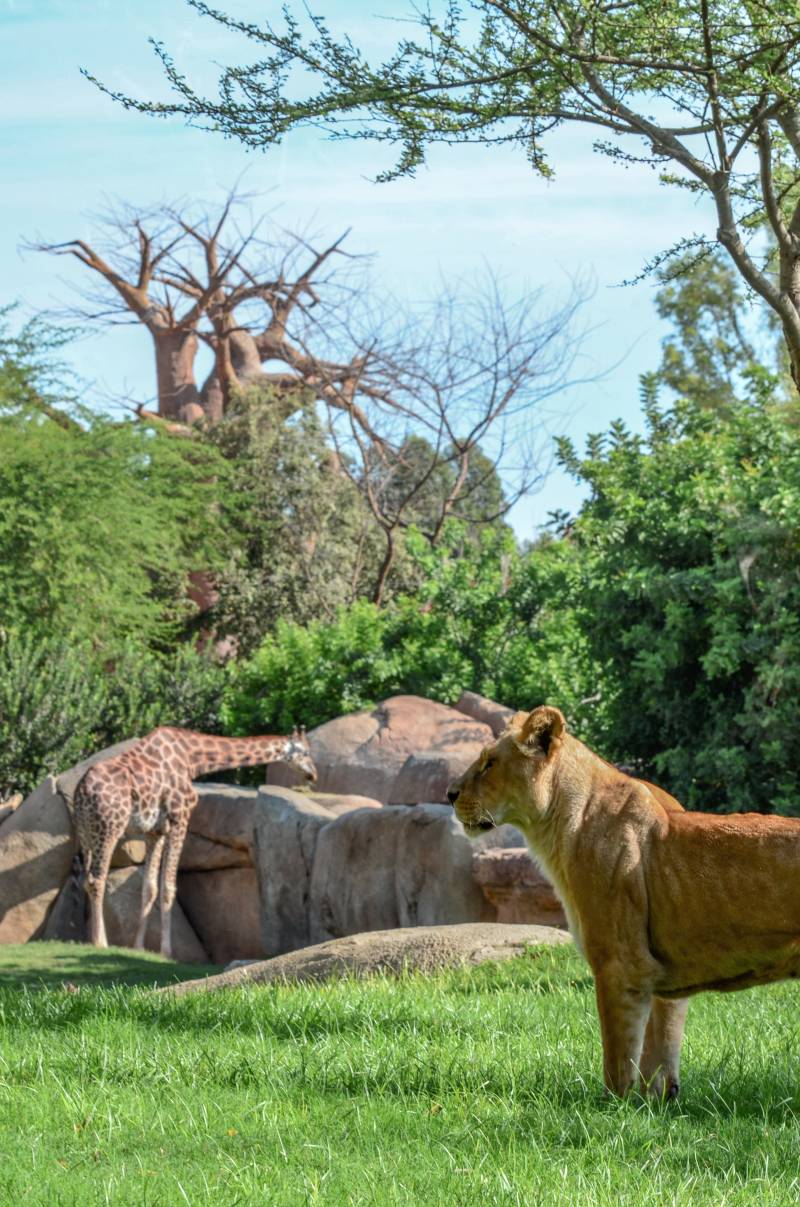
{"x":623,"y":1011}
{"x":661,"y":1055}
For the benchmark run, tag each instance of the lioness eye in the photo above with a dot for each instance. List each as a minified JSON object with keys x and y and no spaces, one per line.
{"x":490,"y":763}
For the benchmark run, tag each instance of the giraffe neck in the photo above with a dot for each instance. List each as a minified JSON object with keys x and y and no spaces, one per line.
{"x":220,"y":754}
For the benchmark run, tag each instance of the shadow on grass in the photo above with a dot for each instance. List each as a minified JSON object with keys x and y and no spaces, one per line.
{"x":51,"y":965}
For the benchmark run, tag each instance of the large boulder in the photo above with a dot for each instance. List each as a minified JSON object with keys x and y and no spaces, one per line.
{"x":480,"y":708}
{"x":225,"y":911}
{"x":514,"y":884}
{"x":285,"y":834}
{"x":36,"y":851}
{"x":121,"y":911}
{"x":394,"y":867}
{"x":224,"y":815}
{"x":424,"y":949}
{"x":339,"y":803}
{"x":368,"y":752}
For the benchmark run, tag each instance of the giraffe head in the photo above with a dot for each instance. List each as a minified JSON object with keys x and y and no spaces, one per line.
{"x":298,"y":752}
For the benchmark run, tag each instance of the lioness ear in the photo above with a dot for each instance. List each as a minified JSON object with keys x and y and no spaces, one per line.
{"x":539,"y":730}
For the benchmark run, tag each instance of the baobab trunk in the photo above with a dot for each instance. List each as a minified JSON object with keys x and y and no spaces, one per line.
{"x":177,"y":390}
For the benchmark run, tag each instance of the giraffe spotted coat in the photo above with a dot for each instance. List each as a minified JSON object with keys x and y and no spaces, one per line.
{"x":148,"y":791}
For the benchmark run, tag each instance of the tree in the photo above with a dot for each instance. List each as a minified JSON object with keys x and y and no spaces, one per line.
{"x":464,"y":377}
{"x":687,"y":597}
{"x":707,"y":92}
{"x":710,"y":346}
{"x":190,"y":276}
{"x":306,"y":544}
{"x":457,"y":378}
{"x":100,"y":521}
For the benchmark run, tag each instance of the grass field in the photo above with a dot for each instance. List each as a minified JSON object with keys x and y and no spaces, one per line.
{"x":474,"y":1087}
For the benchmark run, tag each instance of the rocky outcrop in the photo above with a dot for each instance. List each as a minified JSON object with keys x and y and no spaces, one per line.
{"x":224,"y":909}
{"x":123,"y":896}
{"x":286,"y":830}
{"x":520,"y":892}
{"x":480,"y":708}
{"x":267,"y":871}
{"x":404,"y":752}
{"x":424,"y":949}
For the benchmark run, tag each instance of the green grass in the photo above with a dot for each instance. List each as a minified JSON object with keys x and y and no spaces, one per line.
{"x":51,"y":965}
{"x":473,"y":1087}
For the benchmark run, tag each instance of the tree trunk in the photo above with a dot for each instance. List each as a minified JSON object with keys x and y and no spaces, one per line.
{"x":238,"y":365}
{"x":177,"y":390}
{"x":386,"y":565}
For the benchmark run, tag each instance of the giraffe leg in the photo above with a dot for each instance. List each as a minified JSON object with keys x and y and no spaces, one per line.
{"x":155,"y":847}
{"x":96,"y":876}
{"x":169,"y":874}
{"x":101,"y":815}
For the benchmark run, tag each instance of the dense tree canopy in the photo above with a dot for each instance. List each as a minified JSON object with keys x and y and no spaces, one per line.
{"x":101,"y":521}
{"x":706,"y":91}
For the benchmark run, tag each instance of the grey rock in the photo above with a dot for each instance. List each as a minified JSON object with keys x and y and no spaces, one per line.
{"x":364,"y":753}
{"x":480,"y":708}
{"x":223,"y":907}
{"x":121,"y":910}
{"x":424,"y":949}
{"x":515,"y":885}
{"x":285,"y":833}
{"x":380,"y":869}
{"x":224,"y":814}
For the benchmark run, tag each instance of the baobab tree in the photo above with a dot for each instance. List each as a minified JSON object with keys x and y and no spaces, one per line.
{"x":424,"y":407}
{"x":193,"y":277}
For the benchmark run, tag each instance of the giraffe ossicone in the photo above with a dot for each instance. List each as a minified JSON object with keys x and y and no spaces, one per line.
{"x":148,"y":791}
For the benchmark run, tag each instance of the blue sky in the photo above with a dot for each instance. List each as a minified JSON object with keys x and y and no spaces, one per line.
{"x":66,"y":149}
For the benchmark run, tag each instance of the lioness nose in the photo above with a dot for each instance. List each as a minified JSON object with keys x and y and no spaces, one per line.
{"x":452,"y":795}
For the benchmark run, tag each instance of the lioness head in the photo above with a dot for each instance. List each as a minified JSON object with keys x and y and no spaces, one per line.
{"x":510,"y":780}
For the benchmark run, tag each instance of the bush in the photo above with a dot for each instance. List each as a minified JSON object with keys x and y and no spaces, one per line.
{"x":50,"y":709}
{"x":58,"y":704}
{"x":487,"y":620}
{"x":689,"y":586}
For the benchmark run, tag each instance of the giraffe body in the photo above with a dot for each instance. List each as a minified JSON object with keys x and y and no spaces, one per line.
{"x":148,"y":791}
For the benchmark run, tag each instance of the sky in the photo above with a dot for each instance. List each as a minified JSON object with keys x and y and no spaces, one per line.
{"x":66,"y":151}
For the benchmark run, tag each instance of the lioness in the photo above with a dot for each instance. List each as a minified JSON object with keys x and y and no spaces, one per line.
{"x":662,"y":903}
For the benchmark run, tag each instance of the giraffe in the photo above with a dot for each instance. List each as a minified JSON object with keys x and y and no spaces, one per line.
{"x":148,"y":791}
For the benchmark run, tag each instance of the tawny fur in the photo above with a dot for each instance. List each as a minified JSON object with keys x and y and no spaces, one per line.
{"x":663,"y":903}
{"x":148,"y":791}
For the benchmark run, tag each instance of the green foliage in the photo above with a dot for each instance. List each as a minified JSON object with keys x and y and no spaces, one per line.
{"x":100,"y":527}
{"x":709,"y":347}
{"x":100,"y":521}
{"x":304,"y":544}
{"x":59,"y":702}
{"x":484,"y":619}
{"x":306,"y":674}
{"x":689,"y":590}
{"x":49,"y":709}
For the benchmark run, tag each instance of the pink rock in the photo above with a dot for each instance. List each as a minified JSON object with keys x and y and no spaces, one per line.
{"x":513,"y":883}
{"x":480,"y":708}
{"x":404,"y":752}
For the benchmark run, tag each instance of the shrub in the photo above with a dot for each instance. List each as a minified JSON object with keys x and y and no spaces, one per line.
{"x":58,"y":704}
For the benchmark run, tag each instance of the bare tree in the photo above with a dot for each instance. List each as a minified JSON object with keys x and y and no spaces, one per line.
{"x":463,"y":387}
{"x":425,"y":406}
{"x":204,"y":278}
